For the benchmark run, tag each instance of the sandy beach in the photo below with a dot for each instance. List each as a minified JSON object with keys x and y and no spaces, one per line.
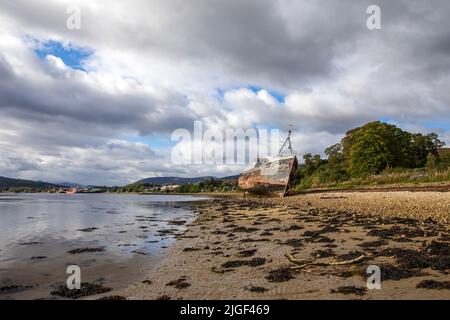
{"x":237,"y":249}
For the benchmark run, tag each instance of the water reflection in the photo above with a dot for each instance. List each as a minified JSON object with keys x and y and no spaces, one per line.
{"x":37,"y":231}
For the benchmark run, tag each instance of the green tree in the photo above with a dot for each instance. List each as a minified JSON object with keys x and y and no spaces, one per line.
{"x":373,"y":149}
{"x":311,"y":164}
{"x":335,"y":153}
{"x":420,"y":147}
{"x":376,"y":146}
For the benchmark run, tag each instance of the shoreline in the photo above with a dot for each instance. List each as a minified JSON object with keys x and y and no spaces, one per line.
{"x":236,"y":248}
{"x":443,"y":186}
{"x":114,"y":240}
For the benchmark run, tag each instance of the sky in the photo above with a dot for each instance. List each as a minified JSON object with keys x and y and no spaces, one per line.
{"x":98,"y":104}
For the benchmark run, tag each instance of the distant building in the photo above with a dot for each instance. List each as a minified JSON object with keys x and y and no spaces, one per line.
{"x":169,"y":188}
{"x":153,"y":189}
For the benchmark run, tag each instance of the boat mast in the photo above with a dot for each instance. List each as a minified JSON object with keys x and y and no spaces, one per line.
{"x":288,"y":142}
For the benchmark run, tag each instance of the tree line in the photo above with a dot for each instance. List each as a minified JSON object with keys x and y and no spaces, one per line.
{"x":370,"y":150}
{"x":210,"y":185}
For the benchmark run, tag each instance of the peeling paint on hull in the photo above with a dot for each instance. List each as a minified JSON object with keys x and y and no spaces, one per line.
{"x":273,"y":176}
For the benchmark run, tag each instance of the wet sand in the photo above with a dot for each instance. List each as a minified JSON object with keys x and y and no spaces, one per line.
{"x":236,"y":249}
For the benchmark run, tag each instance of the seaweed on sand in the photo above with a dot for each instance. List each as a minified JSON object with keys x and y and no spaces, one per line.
{"x":247,"y":253}
{"x":256,"y":289}
{"x":280,"y":275}
{"x":295,"y":243}
{"x":255,"y":262}
{"x":392,"y":272}
{"x":359,"y":291}
{"x":83,"y":250}
{"x":179,"y":284}
{"x":433,"y":284}
{"x":87,"y":289}
{"x":373,"y":244}
{"x":13,"y":288}
{"x":350,"y":256}
{"x":323,"y":253}
{"x":244,"y":229}
{"x":88,"y":229}
{"x":397,"y":231}
{"x":421,"y":259}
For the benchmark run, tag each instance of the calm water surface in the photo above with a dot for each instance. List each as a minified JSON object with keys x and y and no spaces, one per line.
{"x":38,"y":230}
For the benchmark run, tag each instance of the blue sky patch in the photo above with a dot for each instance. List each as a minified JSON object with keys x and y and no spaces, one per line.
{"x":277,"y":95}
{"x":71,"y":55}
{"x":436,"y":125}
{"x":280,"y":97}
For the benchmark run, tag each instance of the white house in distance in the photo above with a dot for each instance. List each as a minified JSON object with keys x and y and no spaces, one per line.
{"x":172,"y":187}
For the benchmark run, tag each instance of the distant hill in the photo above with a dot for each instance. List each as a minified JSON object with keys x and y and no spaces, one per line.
{"x":7,"y":183}
{"x":235,"y":177}
{"x":180,"y":180}
{"x":70,"y":185}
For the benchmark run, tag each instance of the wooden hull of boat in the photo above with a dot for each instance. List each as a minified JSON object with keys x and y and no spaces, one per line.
{"x":273,"y":177}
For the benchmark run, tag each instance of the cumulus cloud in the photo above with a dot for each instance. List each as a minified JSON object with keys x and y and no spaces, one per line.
{"x":155,"y":66}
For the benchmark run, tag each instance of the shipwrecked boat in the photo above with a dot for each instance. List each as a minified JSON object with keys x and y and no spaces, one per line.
{"x":271,"y":175}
